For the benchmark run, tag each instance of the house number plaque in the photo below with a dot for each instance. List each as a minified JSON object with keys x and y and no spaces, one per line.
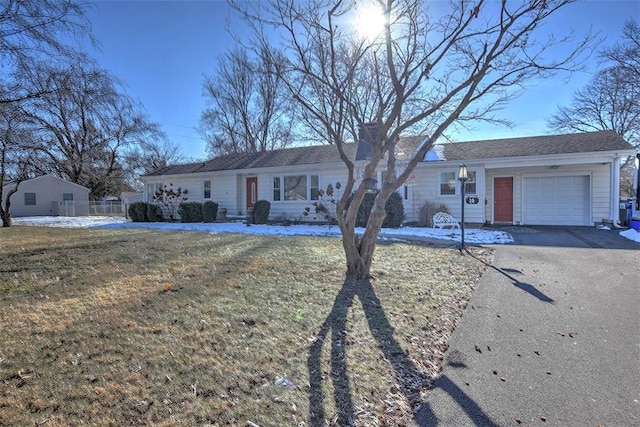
{"x":472,"y":200}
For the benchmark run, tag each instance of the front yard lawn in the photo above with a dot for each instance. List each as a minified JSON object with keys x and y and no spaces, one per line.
{"x":124,"y":327}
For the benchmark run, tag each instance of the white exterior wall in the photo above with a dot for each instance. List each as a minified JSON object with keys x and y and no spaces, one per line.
{"x":599,"y":182}
{"x":229,"y":187}
{"x":427,"y":189}
{"x":294,"y":210}
{"x":49,"y":192}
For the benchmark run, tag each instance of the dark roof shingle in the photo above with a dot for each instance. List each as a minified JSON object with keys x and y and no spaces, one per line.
{"x":536,"y":146}
{"x":488,"y":149}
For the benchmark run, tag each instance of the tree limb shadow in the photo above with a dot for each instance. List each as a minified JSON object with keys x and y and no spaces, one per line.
{"x":409,"y":376}
{"x":527,"y":287}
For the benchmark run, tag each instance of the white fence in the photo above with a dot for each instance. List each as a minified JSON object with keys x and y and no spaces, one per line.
{"x":101,"y":208}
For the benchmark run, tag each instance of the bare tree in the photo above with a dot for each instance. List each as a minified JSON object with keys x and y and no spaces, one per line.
{"x":31,"y":31}
{"x":14,"y":159}
{"x":627,"y":53}
{"x":610,"y":101}
{"x":422,"y":74}
{"x":85,"y":126}
{"x":151,"y":155}
{"x":248,"y":110}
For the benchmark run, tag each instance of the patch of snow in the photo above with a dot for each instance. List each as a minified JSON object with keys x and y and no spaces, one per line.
{"x":603,"y":227}
{"x":631,"y":234}
{"x":473,"y":235}
{"x":69,"y":221}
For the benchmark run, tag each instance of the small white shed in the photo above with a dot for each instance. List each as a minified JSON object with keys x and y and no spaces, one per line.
{"x":48,"y":195}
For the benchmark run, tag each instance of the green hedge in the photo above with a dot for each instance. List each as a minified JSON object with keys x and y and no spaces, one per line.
{"x":209,"y":211}
{"x":190,"y":212}
{"x":261,"y":212}
{"x":144,"y":212}
{"x":394,"y":208}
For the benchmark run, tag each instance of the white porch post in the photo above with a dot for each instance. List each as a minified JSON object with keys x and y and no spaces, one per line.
{"x":615,"y":190}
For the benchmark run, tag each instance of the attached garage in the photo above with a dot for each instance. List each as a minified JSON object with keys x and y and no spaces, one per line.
{"x":556,"y":200}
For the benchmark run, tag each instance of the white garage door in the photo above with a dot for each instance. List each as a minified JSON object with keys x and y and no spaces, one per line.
{"x":556,"y":200}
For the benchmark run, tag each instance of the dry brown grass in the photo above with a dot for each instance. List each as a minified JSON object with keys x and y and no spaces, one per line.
{"x":90,"y":336}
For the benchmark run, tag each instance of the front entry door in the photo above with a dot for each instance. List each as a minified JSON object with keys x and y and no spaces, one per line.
{"x":503,"y":199}
{"x":252,"y":191}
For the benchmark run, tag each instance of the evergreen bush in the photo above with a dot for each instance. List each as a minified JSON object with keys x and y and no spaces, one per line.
{"x":209,"y":211}
{"x":190,"y":212}
{"x":153,"y":212}
{"x":261,"y":212}
{"x":394,"y":208}
{"x":138,"y":212}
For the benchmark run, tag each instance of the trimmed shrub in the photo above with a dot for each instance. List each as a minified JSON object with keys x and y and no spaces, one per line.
{"x":144,"y":212}
{"x":190,"y":212}
{"x":428,"y":210}
{"x":394,"y":208}
{"x":395,"y":211}
{"x":261,"y":212}
{"x":154,"y":213}
{"x":138,"y":212}
{"x":209,"y":211}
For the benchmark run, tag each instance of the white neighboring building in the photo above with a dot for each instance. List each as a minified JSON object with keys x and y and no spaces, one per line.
{"x":48,"y":195}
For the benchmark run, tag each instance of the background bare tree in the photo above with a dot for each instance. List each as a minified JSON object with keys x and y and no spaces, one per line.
{"x":611,"y":99}
{"x":150,"y":155}
{"x":626,"y":54}
{"x":422,"y":74}
{"x":33,"y":30}
{"x":14,"y":159}
{"x":248,"y":111}
{"x":85,"y":126}
{"x":30,"y":31}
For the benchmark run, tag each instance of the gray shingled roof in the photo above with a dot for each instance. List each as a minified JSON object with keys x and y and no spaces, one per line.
{"x":536,"y":146}
{"x":284,"y":157}
{"x":496,"y":148}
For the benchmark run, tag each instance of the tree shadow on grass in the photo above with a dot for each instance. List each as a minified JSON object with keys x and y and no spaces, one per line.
{"x":410,"y":378}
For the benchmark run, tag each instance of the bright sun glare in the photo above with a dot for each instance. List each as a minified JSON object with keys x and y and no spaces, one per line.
{"x":369,"y":21}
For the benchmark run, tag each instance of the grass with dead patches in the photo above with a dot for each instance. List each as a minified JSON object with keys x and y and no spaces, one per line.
{"x":91,"y":335}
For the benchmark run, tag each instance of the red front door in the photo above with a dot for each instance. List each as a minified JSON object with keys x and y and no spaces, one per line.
{"x":503,"y":199}
{"x":252,"y":191}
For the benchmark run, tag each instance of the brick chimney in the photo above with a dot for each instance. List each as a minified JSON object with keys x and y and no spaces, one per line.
{"x":367,"y":134}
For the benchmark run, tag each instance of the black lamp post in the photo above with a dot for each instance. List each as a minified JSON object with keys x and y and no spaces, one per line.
{"x":463,"y":176}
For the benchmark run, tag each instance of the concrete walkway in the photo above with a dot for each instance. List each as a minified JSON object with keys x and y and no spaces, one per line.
{"x":551,"y":336}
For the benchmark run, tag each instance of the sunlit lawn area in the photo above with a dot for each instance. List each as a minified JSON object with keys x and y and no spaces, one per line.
{"x":254,"y":328}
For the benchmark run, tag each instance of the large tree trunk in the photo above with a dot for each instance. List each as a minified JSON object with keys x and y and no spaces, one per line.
{"x":6,"y":218}
{"x":359,"y":250}
{"x":5,"y":211}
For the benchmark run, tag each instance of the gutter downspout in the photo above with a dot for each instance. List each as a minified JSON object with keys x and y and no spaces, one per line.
{"x":615,"y":191}
{"x":636,"y":185}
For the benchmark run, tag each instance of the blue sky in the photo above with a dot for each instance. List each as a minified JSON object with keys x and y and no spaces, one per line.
{"x":162,"y":50}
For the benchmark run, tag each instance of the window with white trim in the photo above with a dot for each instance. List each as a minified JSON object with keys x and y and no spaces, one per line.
{"x":296,"y":187}
{"x":207,"y":189}
{"x":470,"y":186}
{"x":447,"y":183}
{"x":152,"y":188}
{"x":276,"y":189}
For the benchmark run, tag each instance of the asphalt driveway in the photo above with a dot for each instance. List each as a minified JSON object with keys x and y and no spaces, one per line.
{"x":551,"y":336}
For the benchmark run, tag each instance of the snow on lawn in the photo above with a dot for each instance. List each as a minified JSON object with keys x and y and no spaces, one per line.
{"x":631,"y":234}
{"x":472,"y":235}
